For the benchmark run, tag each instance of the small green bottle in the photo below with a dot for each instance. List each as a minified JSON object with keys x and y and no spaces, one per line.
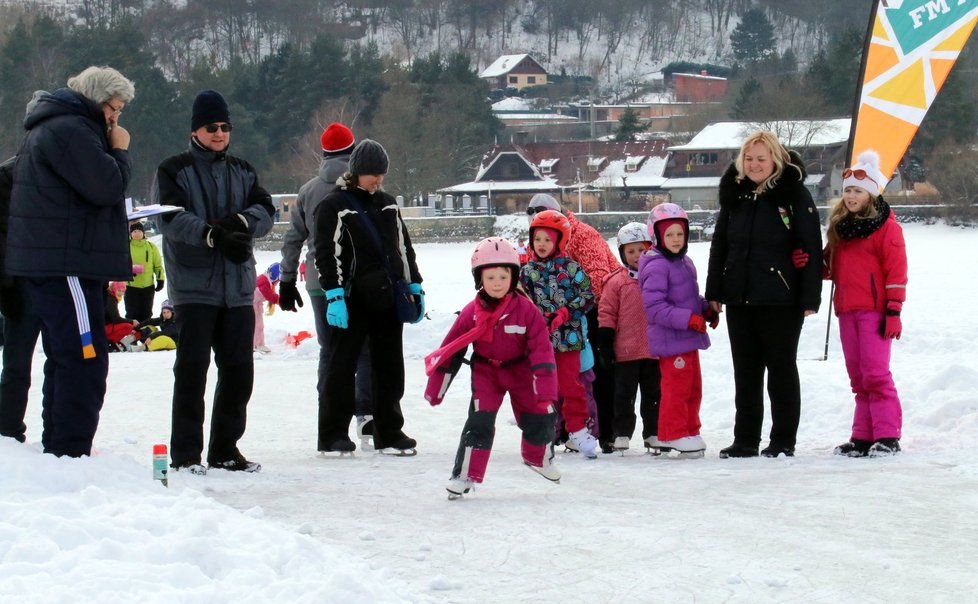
{"x":159,"y":463}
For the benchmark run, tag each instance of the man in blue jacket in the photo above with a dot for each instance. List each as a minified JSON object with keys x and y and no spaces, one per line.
{"x":67,"y":236}
{"x":207,"y":251}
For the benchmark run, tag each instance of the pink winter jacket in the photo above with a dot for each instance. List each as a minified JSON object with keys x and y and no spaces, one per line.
{"x":870,"y":271}
{"x":520,"y":332}
{"x":621,"y":309}
{"x":589,"y":249}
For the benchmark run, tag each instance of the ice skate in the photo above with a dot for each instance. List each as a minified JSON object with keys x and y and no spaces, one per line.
{"x":548,"y":470}
{"x":263,"y":349}
{"x":457,"y":487}
{"x":688,"y":447}
{"x":403,"y":447}
{"x":585,"y":444}
{"x":653,"y":446}
{"x":365,"y":432}
{"x":340,"y":448}
{"x":621,"y":445}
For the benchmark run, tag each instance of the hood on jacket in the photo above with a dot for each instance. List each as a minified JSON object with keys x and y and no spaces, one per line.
{"x":62,"y":102}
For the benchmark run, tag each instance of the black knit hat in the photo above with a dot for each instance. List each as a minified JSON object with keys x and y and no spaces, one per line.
{"x":209,"y":107}
{"x":369,"y":157}
{"x":137,"y":226}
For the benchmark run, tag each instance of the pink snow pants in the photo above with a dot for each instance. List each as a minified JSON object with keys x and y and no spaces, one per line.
{"x":571,"y":390}
{"x":878,"y":413}
{"x":259,"y":306}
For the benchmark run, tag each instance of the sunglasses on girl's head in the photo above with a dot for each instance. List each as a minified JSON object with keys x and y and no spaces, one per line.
{"x":531,"y":210}
{"x":212,"y":128}
{"x":860,"y":174}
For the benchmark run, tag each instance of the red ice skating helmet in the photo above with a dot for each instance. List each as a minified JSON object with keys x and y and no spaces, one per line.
{"x":552,"y":219}
{"x":494,"y":251}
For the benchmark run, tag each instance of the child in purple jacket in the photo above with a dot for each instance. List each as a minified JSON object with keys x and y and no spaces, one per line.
{"x":677,"y":317}
{"x":511,"y":354}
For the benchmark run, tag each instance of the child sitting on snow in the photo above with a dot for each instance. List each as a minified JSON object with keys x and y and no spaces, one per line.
{"x":119,"y":331}
{"x":160,"y":333}
{"x":511,"y":354}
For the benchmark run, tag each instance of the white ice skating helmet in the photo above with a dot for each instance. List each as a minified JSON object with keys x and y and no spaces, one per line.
{"x":633,"y":232}
{"x":494,"y":251}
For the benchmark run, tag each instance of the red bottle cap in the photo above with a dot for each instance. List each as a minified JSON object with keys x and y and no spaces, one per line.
{"x":159,"y":449}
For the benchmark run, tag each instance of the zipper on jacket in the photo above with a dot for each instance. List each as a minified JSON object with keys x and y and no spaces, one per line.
{"x":872,"y":289}
{"x":783,"y":280}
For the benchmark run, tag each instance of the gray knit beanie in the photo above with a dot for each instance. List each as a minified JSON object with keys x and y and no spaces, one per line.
{"x":369,"y":157}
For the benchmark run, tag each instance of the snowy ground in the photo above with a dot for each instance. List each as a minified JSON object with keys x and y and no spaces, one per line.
{"x":816,"y":528}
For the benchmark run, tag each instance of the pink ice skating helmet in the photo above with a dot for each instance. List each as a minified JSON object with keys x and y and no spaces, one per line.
{"x":494,"y":251}
{"x":633,"y":232}
{"x":661,"y":217}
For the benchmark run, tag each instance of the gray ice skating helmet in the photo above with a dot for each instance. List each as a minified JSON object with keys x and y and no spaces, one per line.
{"x":542,"y":201}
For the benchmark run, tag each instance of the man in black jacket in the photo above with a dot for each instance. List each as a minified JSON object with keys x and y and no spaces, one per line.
{"x":68,"y":236}
{"x":207,"y":251}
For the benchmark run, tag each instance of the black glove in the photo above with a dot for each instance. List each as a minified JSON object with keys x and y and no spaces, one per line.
{"x":159,"y":285}
{"x":604,"y":340}
{"x":236,"y":247}
{"x":233,"y":223}
{"x":288,"y":296}
{"x":11,"y":298}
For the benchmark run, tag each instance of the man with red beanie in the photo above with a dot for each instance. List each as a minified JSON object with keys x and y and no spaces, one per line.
{"x":337,"y":142}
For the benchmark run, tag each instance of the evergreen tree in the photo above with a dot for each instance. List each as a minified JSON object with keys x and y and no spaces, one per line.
{"x":745,"y":105}
{"x":628,"y":125}
{"x":753,"y":38}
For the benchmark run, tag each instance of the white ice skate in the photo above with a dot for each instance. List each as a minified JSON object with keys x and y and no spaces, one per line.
{"x":688,"y":447}
{"x":548,"y":470}
{"x":365,"y":432}
{"x":457,"y":487}
{"x":586,"y":444}
{"x":621,"y":444}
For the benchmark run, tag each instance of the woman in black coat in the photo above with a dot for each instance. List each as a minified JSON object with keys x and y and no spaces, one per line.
{"x":758,"y":268}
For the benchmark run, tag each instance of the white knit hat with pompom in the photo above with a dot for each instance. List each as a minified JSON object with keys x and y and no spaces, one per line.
{"x":865,"y":173}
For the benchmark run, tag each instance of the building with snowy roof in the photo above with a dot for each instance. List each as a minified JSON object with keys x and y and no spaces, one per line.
{"x":515,"y":71}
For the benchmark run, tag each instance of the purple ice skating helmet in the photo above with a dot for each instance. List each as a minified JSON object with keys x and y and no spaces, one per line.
{"x":494,"y":251}
{"x":274,"y":271}
{"x":662,"y":217}
{"x":633,"y":232}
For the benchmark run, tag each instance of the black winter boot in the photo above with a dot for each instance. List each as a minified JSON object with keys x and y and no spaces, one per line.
{"x":738,"y":450}
{"x":856,"y":447}
{"x":884,"y":447}
{"x":774,"y":450}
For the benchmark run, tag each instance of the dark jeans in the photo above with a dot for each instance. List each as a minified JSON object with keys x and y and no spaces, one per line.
{"x":603,"y":387}
{"x":229,"y":332}
{"x":364,"y":400}
{"x":74,"y":386}
{"x":765,"y":338}
{"x":383,"y":334}
{"x":20,"y":338}
{"x":631,"y":377}
{"x":139,"y":303}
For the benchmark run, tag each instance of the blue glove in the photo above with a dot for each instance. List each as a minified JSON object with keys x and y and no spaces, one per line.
{"x":415,"y":289}
{"x":336,"y":314}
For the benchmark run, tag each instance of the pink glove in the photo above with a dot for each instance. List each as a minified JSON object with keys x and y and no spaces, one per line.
{"x":799,"y":258}
{"x":697,"y":323}
{"x":138,"y":269}
{"x":559,"y":318}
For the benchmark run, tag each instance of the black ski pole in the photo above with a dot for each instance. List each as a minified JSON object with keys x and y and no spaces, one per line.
{"x":828,"y":324}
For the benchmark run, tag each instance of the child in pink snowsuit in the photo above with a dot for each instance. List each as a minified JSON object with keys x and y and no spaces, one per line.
{"x":265,"y":292}
{"x":511,"y":354}
{"x":867,"y":261}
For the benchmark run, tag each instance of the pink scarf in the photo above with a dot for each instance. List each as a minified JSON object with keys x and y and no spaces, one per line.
{"x":483,"y":331}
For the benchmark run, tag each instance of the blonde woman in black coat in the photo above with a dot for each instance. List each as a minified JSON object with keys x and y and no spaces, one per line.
{"x":758,"y":268}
